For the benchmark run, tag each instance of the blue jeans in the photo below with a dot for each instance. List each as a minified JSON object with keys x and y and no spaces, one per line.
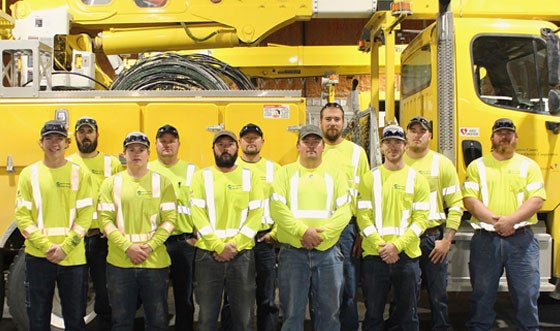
{"x":313,"y":274}
{"x":40,"y":279}
{"x":349,"y":304}
{"x":236,"y":277}
{"x":96,"y":255}
{"x":126,"y":285}
{"x":378,"y":278}
{"x":182,"y":274}
{"x":434,"y":277}
{"x":519,"y":256}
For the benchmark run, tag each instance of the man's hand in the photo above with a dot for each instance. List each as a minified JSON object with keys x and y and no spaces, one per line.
{"x":441,"y":248}
{"x":357,"y":249}
{"x":267,"y":238}
{"x":389,"y":253}
{"x":229,"y":252}
{"x":136,"y":253}
{"x":55,"y":254}
{"x":312,"y":238}
{"x":504,"y":226}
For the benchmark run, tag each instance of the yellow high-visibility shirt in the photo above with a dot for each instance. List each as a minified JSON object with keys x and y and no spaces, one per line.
{"x":180,"y":174}
{"x":445,"y":190}
{"x":54,"y":206}
{"x":265,"y":169}
{"x":226,"y":207}
{"x":393,"y":207}
{"x":100,"y":167}
{"x":304,"y":198}
{"x":352,"y":160}
{"x":503,"y":186}
{"x":137,"y":211}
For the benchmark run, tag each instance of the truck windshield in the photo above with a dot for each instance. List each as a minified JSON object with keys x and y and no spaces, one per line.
{"x":511,"y":72}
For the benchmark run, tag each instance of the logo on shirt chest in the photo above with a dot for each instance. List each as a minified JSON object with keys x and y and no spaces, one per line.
{"x":62,"y":185}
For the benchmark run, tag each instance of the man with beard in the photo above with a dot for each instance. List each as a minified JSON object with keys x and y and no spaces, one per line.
{"x":352,"y":160}
{"x":445,"y":195}
{"x":311,"y":206}
{"x":100,"y":166}
{"x":251,"y":140}
{"x":503,"y":192}
{"x":392,"y":208}
{"x":180,"y":244}
{"x":226,"y":207}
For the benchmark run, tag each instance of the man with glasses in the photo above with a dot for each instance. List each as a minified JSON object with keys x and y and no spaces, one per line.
{"x":180,"y":244}
{"x":54,"y":209}
{"x":99,"y":166}
{"x":137,"y":211}
{"x":226,"y":208}
{"x":445,"y":195}
{"x":392,"y":208}
{"x":503,"y":191}
{"x":352,"y":160}
{"x":311,"y":207}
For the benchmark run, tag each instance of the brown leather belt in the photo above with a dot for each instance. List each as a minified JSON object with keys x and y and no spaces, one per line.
{"x":93,"y":232}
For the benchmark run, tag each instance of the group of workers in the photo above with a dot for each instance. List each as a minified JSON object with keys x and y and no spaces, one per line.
{"x":234,"y":231}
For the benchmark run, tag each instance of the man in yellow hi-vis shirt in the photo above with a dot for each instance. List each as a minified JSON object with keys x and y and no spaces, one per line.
{"x":137,"y":212}
{"x":445,"y":194}
{"x":180,"y":244}
{"x":393,"y":206}
{"x":503,"y":192}
{"x":54,"y":208}
{"x":226,"y":207}
{"x":311,"y":206}
{"x":99,"y":166}
{"x":352,"y":159}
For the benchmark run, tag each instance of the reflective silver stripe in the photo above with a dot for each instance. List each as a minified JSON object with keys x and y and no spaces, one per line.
{"x":29,"y":230}
{"x":377,"y":193}
{"x":254,"y":204}
{"x":410,"y":181}
{"x":37,"y":193}
{"x":355,"y":161}
{"x":107,"y":169}
{"x":420,"y":206}
{"x":364,"y":204}
{"x":75,"y":177}
{"x":246,"y":175}
{"x":342,"y":200}
{"x":183,"y":210}
{"x":369,"y":230}
{"x":190,"y":171}
{"x":435,"y":165}
{"x":248,"y":232}
{"x":405,"y":216}
{"x":139,"y":237}
{"x":278,"y":197}
{"x":483,"y":182}
{"x":450,"y":190}
{"x":106,"y":206}
{"x":58,"y":231}
{"x":81,"y":203}
{"x":266,"y":212}
{"x":209,"y":188}
{"x":534,"y":186}
{"x":269,"y":171}
{"x":389,"y":230}
{"x":317,"y":214}
{"x":25,"y":203}
{"x":520,"y":198}
{"x":472,"y":186}
{"x":301,"y":213}
{"x":524,"y":169}
{"x":200,"y":203}
{"x":433,"y":206}
{"x":353,"y":192}
{"x":416,"y":229}
{"x":117,"y":193}
{"x":166,"y":206}
{"x":455,"y":208}
{"x":205,"y":230}
{"x":109,"y":228}
{"x":156,"y":185}
{"x":94,"y":215}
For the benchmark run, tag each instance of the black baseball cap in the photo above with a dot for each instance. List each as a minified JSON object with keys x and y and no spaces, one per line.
{"x":136,"y":138}
{"x":167,"y":129}
{"x":422,"y":121}
{"x":86,"y":120}
{"x":57,"y":127}
{"x":503,"y":123}
{"x":250,"y":128}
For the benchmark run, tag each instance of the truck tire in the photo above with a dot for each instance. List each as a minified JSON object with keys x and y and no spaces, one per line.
{"x":16,"y":298}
